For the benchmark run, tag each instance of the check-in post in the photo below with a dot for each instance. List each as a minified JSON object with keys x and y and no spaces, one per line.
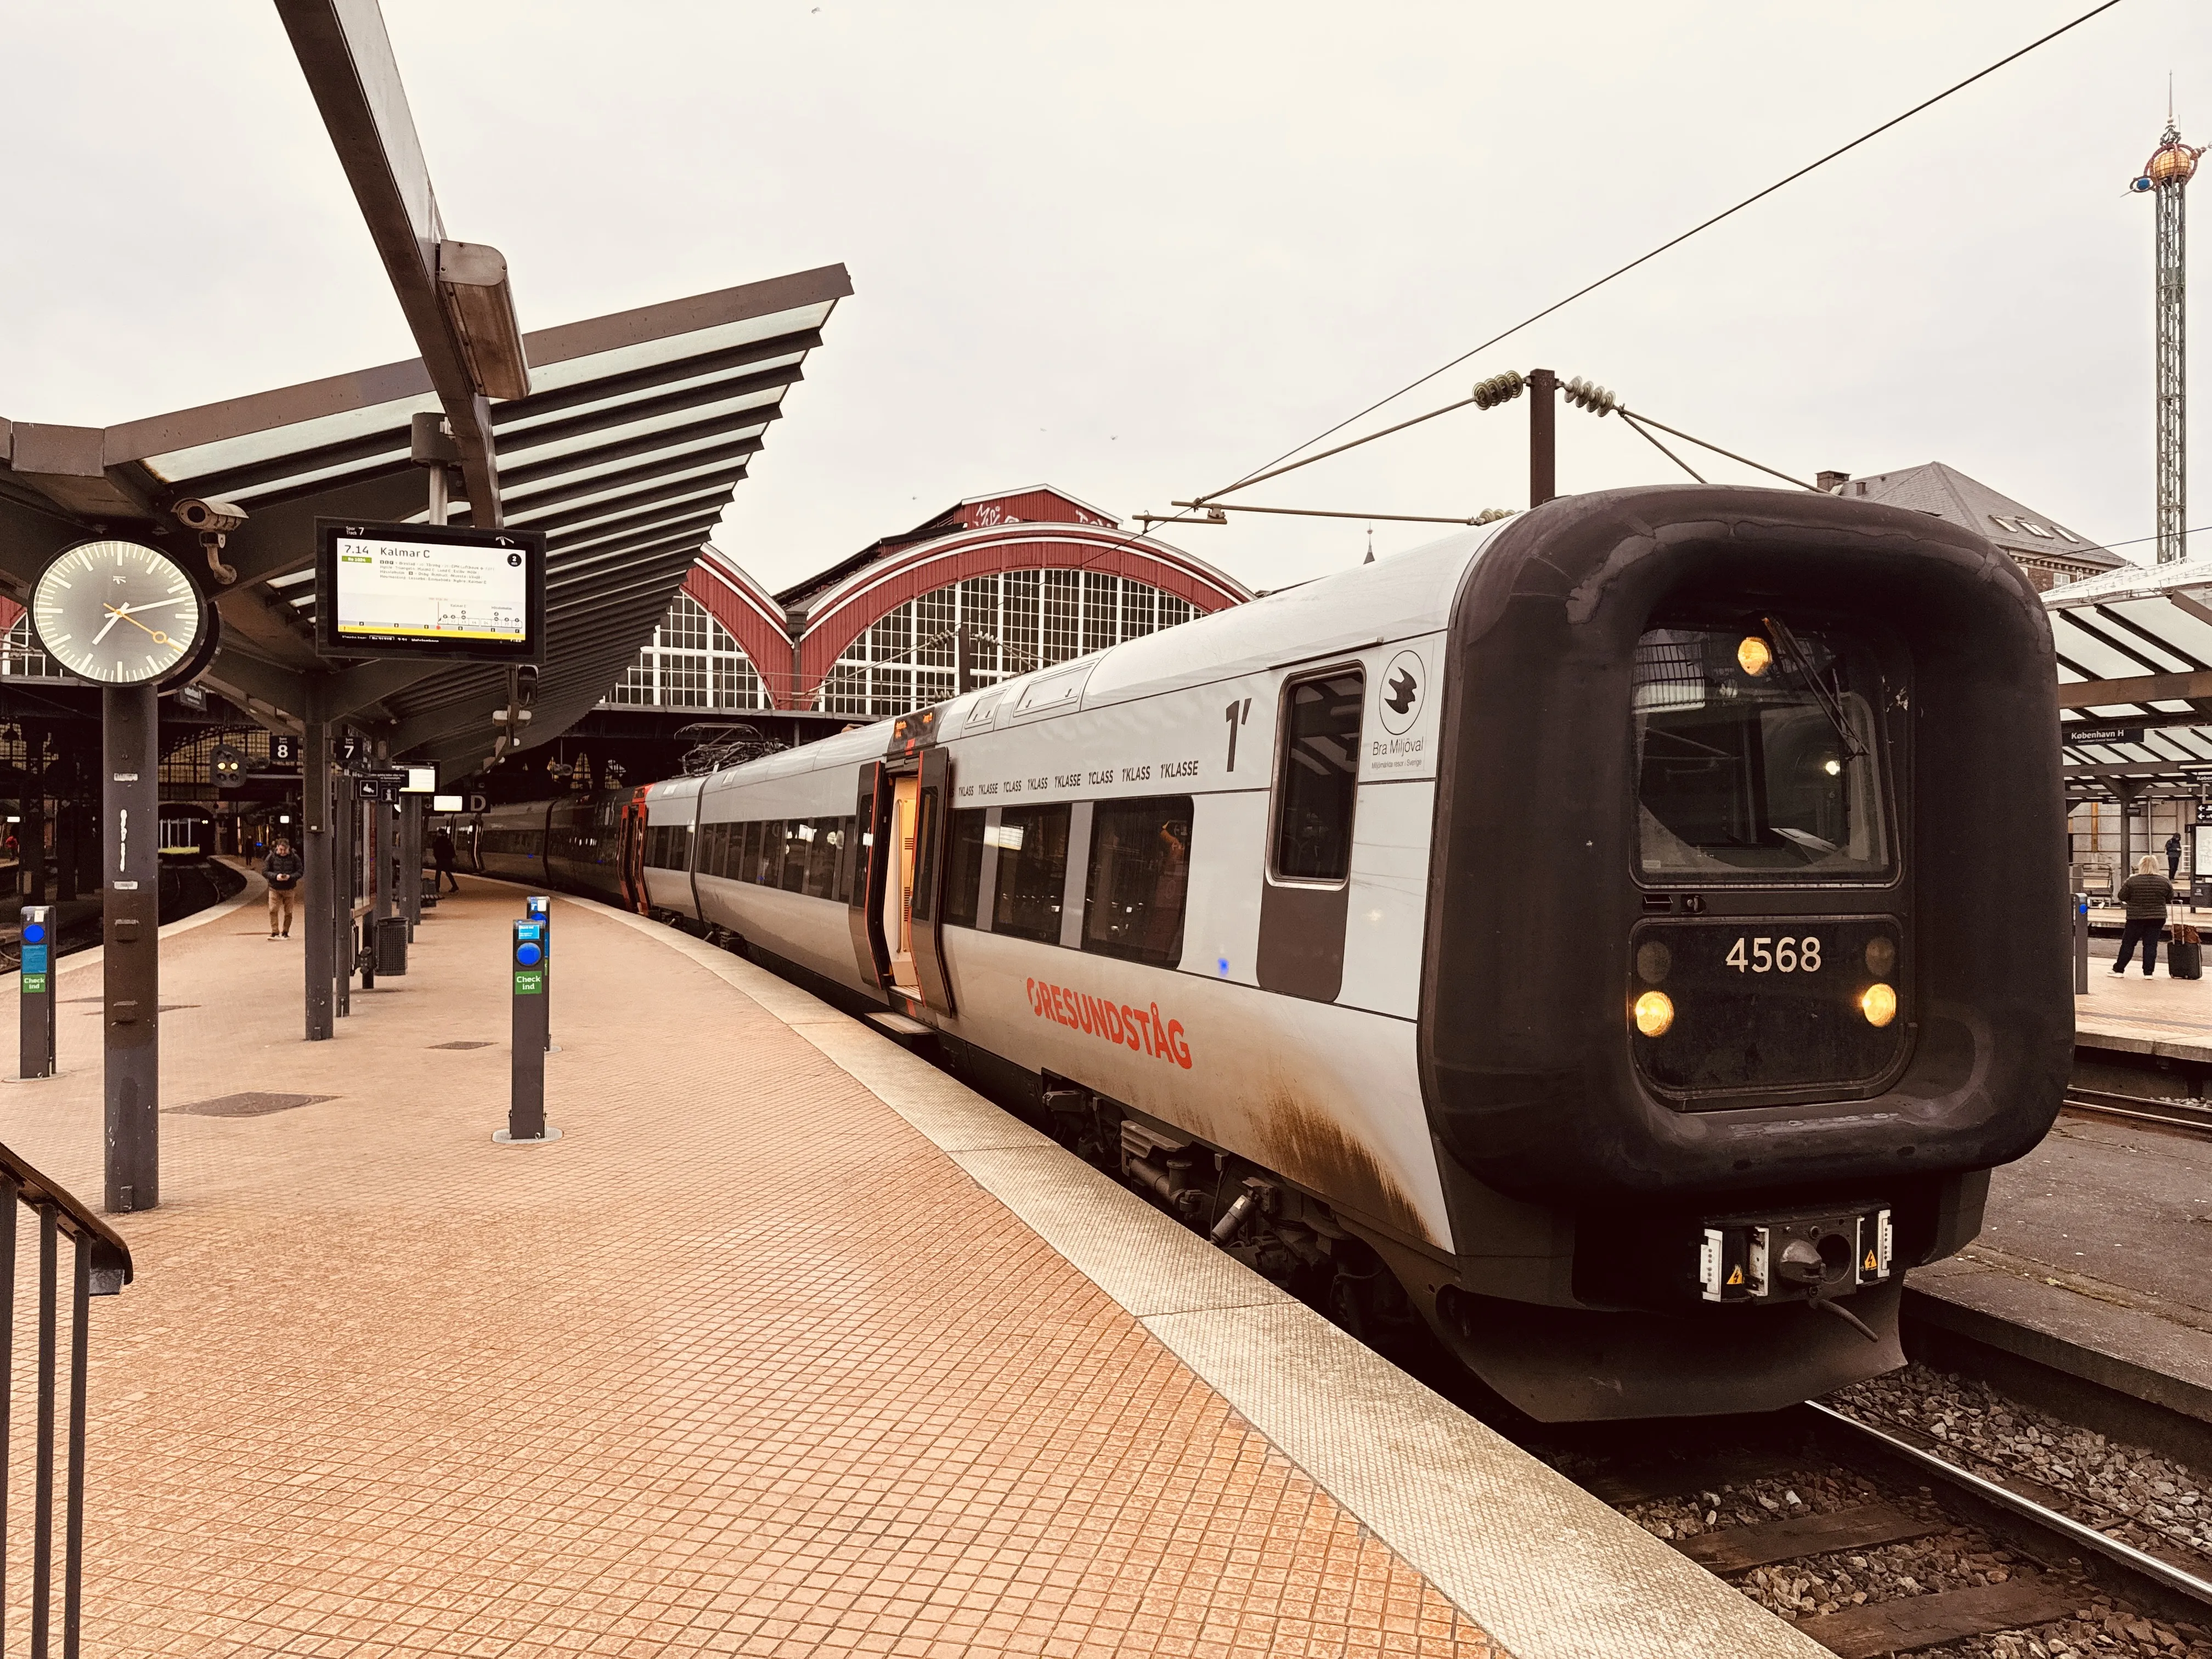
{"x":526,"y":1112}
{"x":36,"y":984}
{"x":540,"y":909}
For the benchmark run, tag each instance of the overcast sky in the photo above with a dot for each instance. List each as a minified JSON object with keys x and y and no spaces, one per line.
{"x":1135,"y":250}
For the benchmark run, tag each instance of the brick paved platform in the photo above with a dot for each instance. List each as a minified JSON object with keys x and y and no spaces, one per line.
{"x":744,"y":1364}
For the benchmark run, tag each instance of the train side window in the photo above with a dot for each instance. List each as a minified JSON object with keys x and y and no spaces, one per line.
{"x":1140,"y":876}
{"x":1032,"y":873}
{"x":1317,"y":781}
{"x":771,"y":853}
{"x":821,"y":857}
{"x":847,"y":830}
{"x":797,"y":832}
{"x":964,"y":874}
{"x":747,"y":864}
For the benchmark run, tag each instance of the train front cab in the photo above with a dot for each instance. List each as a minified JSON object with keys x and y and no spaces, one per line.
{"x":1768,"y":993}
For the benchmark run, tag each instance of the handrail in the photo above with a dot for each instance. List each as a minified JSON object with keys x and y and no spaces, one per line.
{"x":110,"y":1259}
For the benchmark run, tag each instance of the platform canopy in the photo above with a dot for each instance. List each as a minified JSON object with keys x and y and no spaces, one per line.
{"x":637,"y":428}
{"x":2134,"y":678}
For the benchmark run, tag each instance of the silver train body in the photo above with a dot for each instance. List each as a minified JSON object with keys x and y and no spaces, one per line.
{"x":1339,"y":924}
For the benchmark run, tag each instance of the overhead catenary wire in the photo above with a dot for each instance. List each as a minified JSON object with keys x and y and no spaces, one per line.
{"x":1267,"y":469}
{"x":1489,"y":516}
{"x":1627,"y":413}
{"x":1637,"y":426}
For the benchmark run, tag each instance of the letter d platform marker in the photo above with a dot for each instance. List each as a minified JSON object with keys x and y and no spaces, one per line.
{"x":526,"y":1112}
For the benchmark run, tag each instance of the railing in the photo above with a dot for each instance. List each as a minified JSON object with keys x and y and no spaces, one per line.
{"x":100,"y":1266}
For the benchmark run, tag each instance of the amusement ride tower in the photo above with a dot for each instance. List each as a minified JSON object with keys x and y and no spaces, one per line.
{"x":2166,"y":178}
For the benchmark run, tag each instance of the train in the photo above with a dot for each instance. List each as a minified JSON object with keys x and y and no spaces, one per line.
{"x":1579,"y":945}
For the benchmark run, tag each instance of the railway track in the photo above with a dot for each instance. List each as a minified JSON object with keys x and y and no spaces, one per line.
{"x":1900,"y":1549}
{"x":2188,"y":1115}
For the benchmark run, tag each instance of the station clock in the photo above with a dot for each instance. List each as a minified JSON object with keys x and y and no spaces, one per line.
{"x":118,"y":613}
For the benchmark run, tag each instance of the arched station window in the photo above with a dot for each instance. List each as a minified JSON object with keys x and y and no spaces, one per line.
{"x":1019,"y":620}
{"x":21,"y":657}
{"x":692,"y":661}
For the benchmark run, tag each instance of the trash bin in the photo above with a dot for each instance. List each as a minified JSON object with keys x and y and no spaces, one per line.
{"x":391,"y":945}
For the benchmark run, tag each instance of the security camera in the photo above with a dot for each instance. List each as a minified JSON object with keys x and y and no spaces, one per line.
{"x":214,"y":520}
{"x":220,"y":516}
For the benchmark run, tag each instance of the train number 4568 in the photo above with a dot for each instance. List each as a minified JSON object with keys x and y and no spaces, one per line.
{"x":1786,"y":954}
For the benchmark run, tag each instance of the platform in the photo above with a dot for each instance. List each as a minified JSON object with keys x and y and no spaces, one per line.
{"x":2095,"y":1256}
{"x":790,"y":1346}
{"x":2144,"y":1014}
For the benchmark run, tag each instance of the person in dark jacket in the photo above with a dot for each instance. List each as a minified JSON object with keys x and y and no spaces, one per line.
{"x":2146,"y":894}
{"x":441,"y":854}
{"x":2172,"y":857}
{"x":282,"y":871}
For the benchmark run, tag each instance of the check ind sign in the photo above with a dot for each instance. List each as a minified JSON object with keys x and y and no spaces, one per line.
{"x":426,"y":590}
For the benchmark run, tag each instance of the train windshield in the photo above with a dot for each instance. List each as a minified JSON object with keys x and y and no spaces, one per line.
{"x":1756,"y":754}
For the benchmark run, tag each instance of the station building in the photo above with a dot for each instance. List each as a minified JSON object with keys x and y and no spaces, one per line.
{"x":2047,"y":551}
{"x":991,"y":586}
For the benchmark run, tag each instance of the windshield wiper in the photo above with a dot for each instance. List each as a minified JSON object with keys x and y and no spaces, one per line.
{"x":1831,"y":704}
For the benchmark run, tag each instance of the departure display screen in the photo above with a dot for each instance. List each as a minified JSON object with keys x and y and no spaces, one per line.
{"x":430,"y":590}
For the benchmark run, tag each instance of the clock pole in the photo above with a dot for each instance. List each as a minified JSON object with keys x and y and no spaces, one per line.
{"x":130,"y":896}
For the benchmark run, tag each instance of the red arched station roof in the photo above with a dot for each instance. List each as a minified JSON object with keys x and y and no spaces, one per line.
{"x":741,"y":605}
{"x":842,"y":613}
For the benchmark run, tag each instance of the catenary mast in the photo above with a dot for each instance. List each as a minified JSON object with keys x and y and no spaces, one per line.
{"x":2165,"y":179}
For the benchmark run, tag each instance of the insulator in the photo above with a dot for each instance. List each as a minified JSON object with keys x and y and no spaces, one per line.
{"x":1498,"y":389}
{"x":1588,"y":394}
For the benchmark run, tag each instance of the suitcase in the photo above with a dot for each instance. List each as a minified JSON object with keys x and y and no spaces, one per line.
{"x":2184,"y":951}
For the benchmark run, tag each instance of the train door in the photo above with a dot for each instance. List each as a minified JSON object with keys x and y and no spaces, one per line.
{"x":924,"y":922}
{"x":867,"y":875}
{"x":898,"y":891}
{"x":631,"y":852}
{"x":1305,"y":898}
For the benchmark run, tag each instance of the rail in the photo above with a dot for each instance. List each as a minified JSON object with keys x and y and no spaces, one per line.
{"x":101,"y":1266}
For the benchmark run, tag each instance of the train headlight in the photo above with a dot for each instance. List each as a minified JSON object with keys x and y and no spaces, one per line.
{"x":1754,"y":655}
{"x":1879,"y":1005}
{"x":1655,"y":1013}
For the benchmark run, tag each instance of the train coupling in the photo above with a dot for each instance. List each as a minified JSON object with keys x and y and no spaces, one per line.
{"x":1813,"y":1255}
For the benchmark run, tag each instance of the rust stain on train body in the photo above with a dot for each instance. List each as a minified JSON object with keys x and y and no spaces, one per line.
{"x":1311,"y":1147}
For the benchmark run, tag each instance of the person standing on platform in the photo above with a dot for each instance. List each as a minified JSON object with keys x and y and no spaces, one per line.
{"x":441,"y":854}
{"x":282,"y":871}
{"x":2146,"y":894}
{"x":2173,"y":856}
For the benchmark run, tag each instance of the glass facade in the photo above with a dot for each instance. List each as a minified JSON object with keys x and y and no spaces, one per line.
{"x":692,"y":661}
{"x":21,"y":658}
{"x":1019,"y":620}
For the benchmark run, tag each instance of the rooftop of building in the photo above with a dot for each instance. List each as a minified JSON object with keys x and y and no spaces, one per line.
{"x":1938,"y":489}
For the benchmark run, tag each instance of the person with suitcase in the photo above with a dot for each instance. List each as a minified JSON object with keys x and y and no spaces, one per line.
{"x":2146,"y":894}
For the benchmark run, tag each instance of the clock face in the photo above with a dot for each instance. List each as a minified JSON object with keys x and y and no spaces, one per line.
{"x":116,"y":612}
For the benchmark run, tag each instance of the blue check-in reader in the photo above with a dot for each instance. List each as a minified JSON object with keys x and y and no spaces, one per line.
{"x":525,"y":1108}
{"x":539,"y":908}
{"x":35,"y":982}
{"x":529,"y":958}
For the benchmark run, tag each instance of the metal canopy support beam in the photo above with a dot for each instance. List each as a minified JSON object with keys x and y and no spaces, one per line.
{"x":2142,"y":688}
{"x":318,"y":890}
{"x":346,"y":55}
